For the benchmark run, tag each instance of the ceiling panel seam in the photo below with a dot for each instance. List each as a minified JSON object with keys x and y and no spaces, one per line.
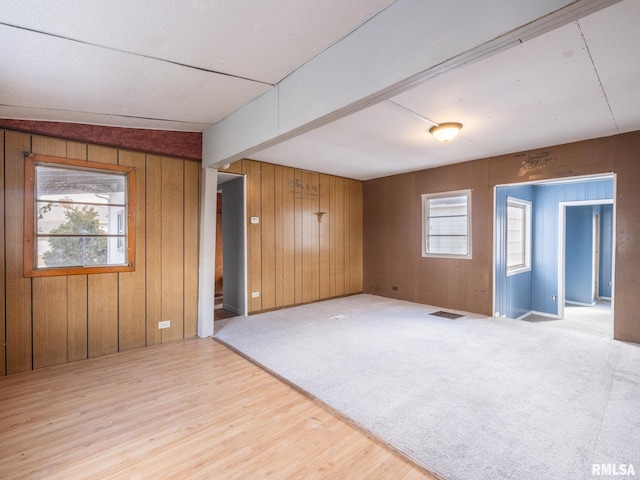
{"x":595,"y":70}
{"x":104,"y":114}
{"x":141,"y":55}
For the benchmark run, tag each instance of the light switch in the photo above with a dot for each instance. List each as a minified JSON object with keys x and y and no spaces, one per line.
{"x":255,"y":220}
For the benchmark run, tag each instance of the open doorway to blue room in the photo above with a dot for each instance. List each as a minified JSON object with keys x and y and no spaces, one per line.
{"x":556,"y":266}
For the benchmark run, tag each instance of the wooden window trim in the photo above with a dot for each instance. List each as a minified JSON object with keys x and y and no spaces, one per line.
{"x":30,"y":270}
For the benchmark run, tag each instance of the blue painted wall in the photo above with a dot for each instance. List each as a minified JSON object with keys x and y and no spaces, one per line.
{"x":579,"y":254}
{"x":513,"y":293}
{"x":606,"y":250}
{"x":519,"y":294}
{"x":546,"y":200}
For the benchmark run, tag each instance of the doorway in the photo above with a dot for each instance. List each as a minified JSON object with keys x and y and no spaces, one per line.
{"x":539,"y":293}
{"x":585,"y":272}
{"x":230,"y":272}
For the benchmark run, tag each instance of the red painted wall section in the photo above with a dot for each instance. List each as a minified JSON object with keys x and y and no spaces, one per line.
{"x":187,"y":145}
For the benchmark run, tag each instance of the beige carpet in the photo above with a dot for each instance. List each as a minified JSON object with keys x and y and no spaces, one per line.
{"x":595,"y":320}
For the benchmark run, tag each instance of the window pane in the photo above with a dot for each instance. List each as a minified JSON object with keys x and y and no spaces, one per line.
{"x":446,"y":228}
{"x":74,"y":252}
{"x":517,"y":225}
{"x":515,"y":214}
{"x":79,"y":218}
{"x":515,"y":248}
{"x":448,"y":245}
{"x":117,"y":250}
{"x":447,"y":206}
{"x":73,"y":219}
{"x":448,"y":225}
{"x":56,"y":182}
{"x":515,"y":260}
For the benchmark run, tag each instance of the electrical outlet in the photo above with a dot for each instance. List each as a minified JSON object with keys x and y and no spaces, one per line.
{"x":255,"y":220}
{"x":164,"y":324}
{"x":255,"y":294}
{"x":553,"y":298}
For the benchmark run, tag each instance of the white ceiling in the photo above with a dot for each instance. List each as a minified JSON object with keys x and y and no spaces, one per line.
{"x":163,"y":64}
{"x":187,"y":65}
{"x":577,"y":82}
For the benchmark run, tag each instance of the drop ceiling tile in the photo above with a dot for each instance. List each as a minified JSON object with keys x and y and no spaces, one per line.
{"x":56,"y":74}
{"x":616,"y":58}
{"x":254,"y":39}
{"x":381,"y":140}
{"x":542,"y":92}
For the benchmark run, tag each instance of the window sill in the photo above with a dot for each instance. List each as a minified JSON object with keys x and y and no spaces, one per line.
{"x":511,"y":273}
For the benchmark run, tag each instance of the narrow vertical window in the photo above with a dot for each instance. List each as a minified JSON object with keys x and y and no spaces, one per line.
{"x":78,"y":217}
{"x":518,"y":236}
{"x":446,"y":228}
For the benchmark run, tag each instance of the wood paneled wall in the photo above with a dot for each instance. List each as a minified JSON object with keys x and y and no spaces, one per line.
{"x":292,"y":257}
{"x":53,"y":320}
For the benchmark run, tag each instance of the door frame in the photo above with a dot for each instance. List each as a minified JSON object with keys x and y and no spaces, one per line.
{"x":562,"y":225}
{"x":596,"y":255}
{"x":207,"y":254}
{"x":555,"y":181}
{"x":223,"y":177}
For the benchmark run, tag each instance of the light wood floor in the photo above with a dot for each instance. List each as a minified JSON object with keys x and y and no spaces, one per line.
{"x":190,"y":409}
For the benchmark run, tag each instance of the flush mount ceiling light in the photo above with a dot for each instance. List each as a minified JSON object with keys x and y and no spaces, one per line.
{"x":443,"y":131}
{"x":446,"y":131}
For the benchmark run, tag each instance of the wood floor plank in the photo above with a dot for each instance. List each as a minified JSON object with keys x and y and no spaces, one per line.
{"x":187,"y":409}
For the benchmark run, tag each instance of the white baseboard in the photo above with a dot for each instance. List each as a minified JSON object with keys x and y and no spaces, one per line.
{"x":523,"y":316}
{"x":544,"y":314}
{"x":581,"y":304}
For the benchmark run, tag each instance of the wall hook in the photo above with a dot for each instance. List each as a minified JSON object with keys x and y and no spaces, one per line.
{"x":320,"y":214}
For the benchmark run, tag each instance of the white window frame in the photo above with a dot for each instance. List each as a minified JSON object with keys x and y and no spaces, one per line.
{"x":426,"y":198}
{"x":525,"y":205}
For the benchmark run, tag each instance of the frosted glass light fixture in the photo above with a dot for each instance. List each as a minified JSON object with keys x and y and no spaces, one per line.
{"x":446,"y":131}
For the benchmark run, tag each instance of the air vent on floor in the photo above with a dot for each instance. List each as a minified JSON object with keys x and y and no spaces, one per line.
{"x":449,"y":315}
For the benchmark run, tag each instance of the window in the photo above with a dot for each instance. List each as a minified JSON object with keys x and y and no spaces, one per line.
{"x":446,"y":228}
{"x":120,"y":230}
{"x":78,"y":217}
{"x":518,"y":236}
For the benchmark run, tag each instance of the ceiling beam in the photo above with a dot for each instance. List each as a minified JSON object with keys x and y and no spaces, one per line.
{"x":408,"y":43}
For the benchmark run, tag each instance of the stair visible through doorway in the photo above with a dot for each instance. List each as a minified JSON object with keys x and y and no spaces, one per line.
{"x":219,"y":312}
